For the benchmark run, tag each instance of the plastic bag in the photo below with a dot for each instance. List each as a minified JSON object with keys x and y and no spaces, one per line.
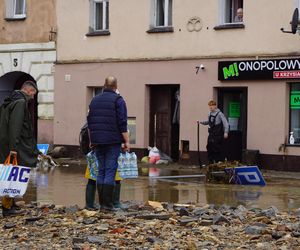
{"x":92,"y":163}
{"x":127,"y":165}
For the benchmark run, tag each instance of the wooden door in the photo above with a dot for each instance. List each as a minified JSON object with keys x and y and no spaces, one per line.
{"x":160,"y":118}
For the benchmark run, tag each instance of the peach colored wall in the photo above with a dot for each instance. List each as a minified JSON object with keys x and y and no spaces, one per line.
{"x":267,"y":100}
{"x":129,"y":39}
{"x":40,"y":18}
{"x":45,"y":131}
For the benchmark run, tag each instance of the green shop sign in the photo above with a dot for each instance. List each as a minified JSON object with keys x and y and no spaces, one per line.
{"x":234,"y":110}
{"x":295,"y":100}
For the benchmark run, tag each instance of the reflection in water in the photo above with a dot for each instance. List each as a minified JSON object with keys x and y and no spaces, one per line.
{"x":66,"y":186}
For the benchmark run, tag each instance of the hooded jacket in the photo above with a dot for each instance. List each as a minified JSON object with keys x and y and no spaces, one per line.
{"x":16,"y":130}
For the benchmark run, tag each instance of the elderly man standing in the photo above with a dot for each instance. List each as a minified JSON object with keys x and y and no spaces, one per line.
{"x":107,"y":123}
{"x":17,"y":133}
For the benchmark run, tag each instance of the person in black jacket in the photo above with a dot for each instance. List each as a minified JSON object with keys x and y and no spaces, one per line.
{"x":17,"y":133}
{"x":107,"y":124}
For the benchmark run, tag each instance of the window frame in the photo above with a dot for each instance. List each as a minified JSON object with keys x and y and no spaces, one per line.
{"x":11,"y":14}
{"x":224,"y":9}
{"x":168,"y":21}
{"x":104,"y":15}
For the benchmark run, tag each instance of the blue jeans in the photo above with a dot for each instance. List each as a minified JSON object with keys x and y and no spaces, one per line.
{"x":107,"y":156}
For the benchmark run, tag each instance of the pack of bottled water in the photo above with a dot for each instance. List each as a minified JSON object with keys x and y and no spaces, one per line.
{"x":127,"y":165}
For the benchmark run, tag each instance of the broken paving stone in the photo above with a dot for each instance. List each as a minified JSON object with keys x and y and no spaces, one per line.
{"x":89,"y":221}
{"x":270,"y":212}
{"x":296,"y":234}
{"x":32,"y":219}
{"x":253,"y":230}
{"x":184,"y":222}
{"x":9,"y":225}
{"x":277,"y":234}
{"x":183,"y":212}
{"x":72,"y":209}
{"x":78,"y":240}
{"x":219,"y":219}
{"x":206,"y":222}
{"x":95,"y":239}
{"x":154,"y":216}
{"x":156,"y":205}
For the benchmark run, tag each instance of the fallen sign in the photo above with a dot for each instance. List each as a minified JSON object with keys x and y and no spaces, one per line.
{"x":246,"y":175}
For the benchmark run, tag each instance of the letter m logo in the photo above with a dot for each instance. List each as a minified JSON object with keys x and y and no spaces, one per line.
{"x":228,"y":72}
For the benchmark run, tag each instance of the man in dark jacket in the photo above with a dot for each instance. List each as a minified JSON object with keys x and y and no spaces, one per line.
{"x":17,"y":134}
{"x":107,"y":123}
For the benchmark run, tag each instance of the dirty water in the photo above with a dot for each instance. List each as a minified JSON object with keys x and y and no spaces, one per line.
{"x":66,"y":186}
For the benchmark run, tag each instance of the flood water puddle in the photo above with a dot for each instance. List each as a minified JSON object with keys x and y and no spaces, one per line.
{"x":66,"y":186}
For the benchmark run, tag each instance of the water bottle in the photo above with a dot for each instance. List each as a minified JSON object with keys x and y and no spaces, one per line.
{"x":292,"y":139}
{"x":133,"y":165}
{"x":127,"y":164}
{"x":121,"y":160}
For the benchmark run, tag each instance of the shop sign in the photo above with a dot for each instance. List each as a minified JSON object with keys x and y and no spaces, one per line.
{"x":276,"y":69}
{"x":295,"y":99}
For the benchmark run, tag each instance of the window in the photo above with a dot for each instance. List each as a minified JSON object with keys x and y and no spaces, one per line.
{"x":162,"y":13}
{"x":231,"y":11}
{"x":295,"y":112}
{"x":15,"y":9}
{"x":97,"y":91}
{"x":99,"y":15}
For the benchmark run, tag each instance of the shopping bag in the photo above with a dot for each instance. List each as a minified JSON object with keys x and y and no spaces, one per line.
{"x":13,"y":178}
{"x":92,"y":165}
{"x":127,"y":165}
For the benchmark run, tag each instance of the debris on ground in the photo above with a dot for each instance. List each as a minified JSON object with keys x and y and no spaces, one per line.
{"x":152,"y":225}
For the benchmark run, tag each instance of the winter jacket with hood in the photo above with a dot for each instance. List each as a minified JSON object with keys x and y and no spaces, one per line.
{"x":16,"y":130}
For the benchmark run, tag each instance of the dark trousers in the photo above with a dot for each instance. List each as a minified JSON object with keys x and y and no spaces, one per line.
{"x":107,"y":156}
{"x":214,"y":148}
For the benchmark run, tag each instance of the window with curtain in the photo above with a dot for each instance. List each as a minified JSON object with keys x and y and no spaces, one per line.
{"x":163,"y":13}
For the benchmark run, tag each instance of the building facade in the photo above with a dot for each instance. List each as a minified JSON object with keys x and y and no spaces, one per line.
{"x":170,"y":58}
{"x":28,"y":52}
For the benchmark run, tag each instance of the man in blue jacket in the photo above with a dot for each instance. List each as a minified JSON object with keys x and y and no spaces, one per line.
{"x":107,"y":123}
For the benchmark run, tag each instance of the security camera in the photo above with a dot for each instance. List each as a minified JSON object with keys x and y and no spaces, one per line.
{"x":202,"y":66}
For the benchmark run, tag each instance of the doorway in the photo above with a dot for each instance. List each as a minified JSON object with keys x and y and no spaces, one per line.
{"x":14,"y":81}
{"x":233,"y":103}
{"x":164,"y":119}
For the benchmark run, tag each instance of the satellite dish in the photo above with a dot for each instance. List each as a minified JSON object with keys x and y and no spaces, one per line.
{"x":294,"y":22}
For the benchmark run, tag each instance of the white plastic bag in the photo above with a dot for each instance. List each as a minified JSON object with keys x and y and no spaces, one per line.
{"x":127,"y":165}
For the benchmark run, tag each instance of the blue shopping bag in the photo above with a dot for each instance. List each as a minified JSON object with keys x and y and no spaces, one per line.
{"x":92,"y":163}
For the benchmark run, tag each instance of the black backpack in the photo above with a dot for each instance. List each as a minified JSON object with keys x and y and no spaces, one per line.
{"x":84,"y":139}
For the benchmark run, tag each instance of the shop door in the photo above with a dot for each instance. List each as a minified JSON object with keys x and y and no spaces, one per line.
{"x":164,"y":131}
{"x":233,"y":103}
